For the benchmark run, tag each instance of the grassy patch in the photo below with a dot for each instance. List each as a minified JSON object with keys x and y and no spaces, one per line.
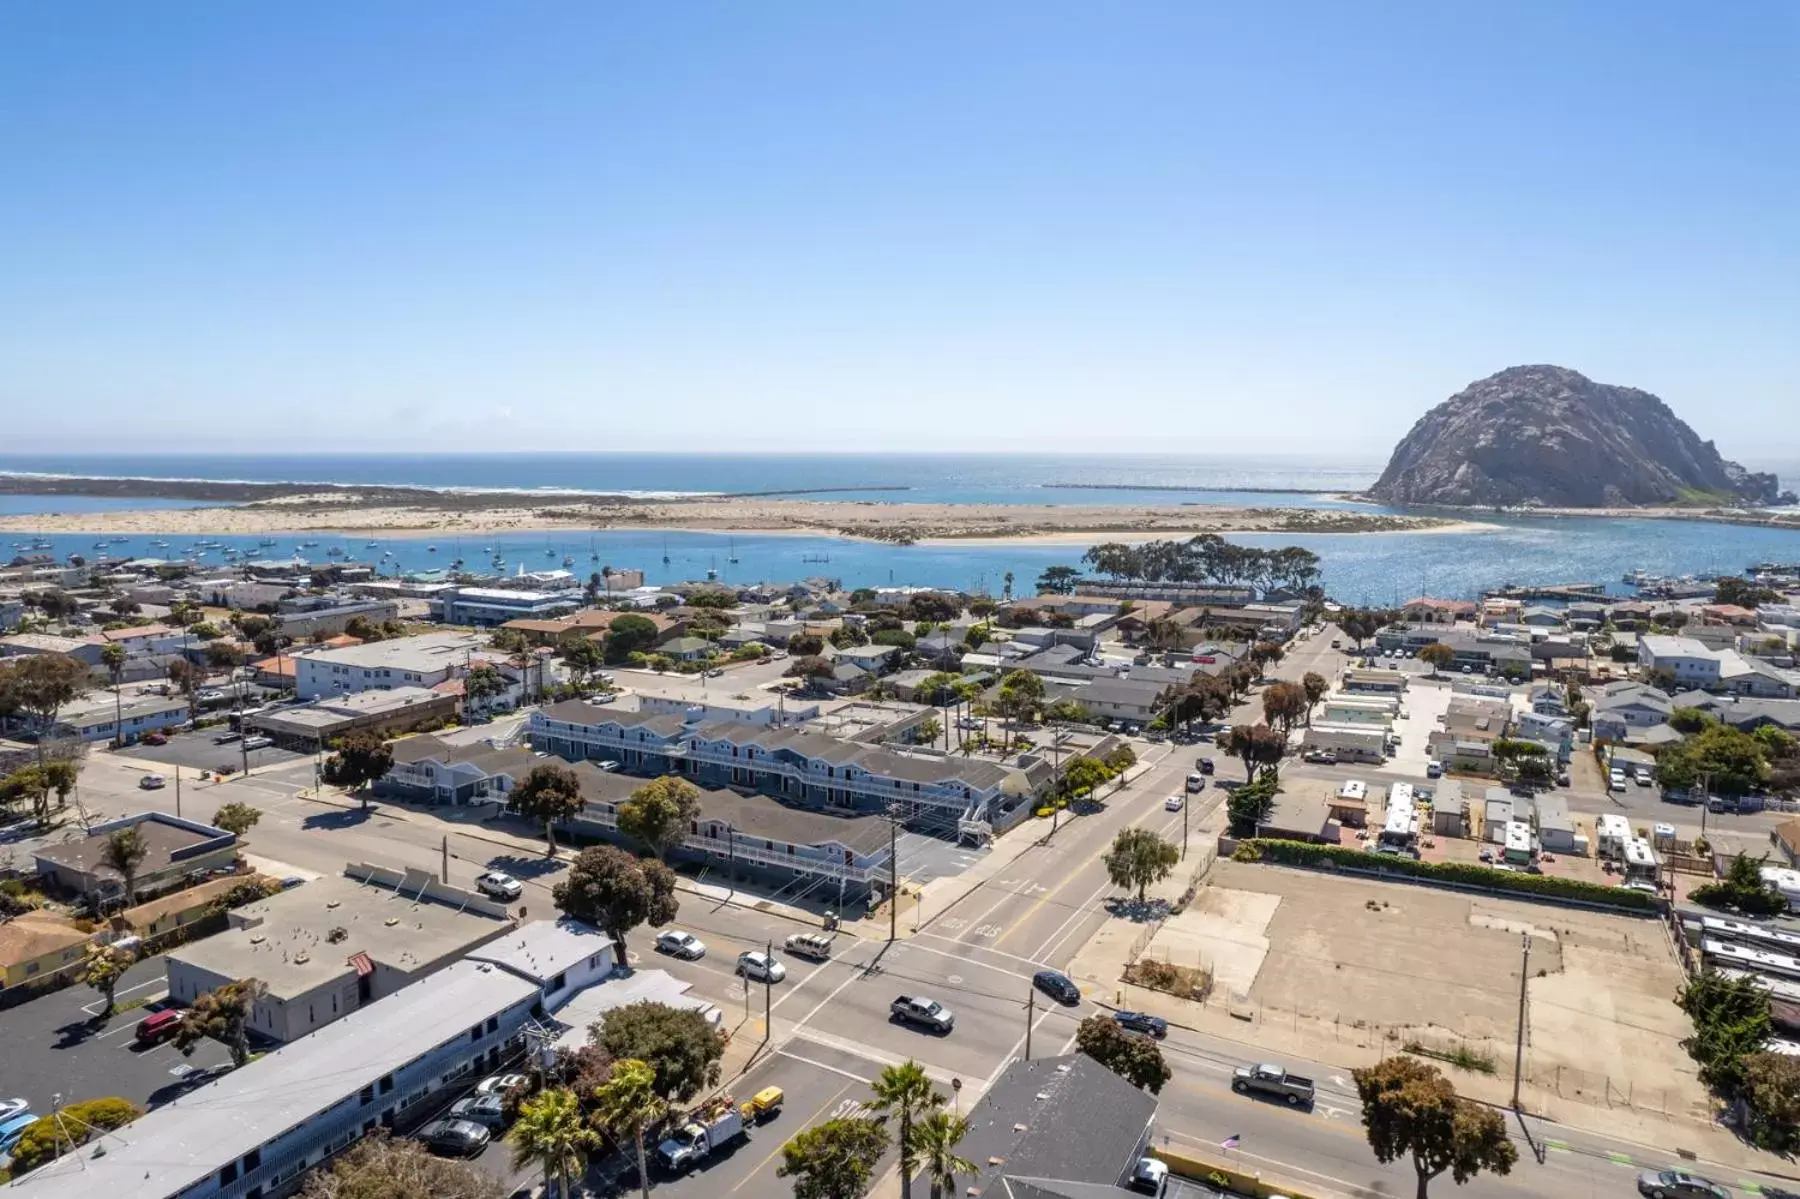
{"x":1462,"y":1056}
{"x":1699,"y":497}
{"x":1298,"y":853}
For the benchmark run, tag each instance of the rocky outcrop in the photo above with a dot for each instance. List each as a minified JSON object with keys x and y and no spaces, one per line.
{"x":1547,"y":436}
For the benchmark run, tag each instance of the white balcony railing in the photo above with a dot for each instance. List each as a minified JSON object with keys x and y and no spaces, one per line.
{"x":748,"y":850}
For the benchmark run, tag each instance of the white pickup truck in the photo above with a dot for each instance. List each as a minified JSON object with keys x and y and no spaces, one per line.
{"x":698,"y":1139}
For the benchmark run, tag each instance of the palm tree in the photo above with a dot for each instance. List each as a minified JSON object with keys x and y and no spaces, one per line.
{"x":551,"y":1132}
{"x":113,"y":657}
{"x":907,"y":1090}
{"x":1008,"y":580}
{"x":934,"y":1143}
{"x":628,"y":1102}
{"x":124,"y":851}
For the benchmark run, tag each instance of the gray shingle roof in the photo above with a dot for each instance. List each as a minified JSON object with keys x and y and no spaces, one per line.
{"x":1057,"y":1119}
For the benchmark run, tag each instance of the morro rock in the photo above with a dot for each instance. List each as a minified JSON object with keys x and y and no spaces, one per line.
{"x":1547,"y":436}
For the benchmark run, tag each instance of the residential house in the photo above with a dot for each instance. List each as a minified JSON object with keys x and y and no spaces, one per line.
{"x":1728,"y":614}
{"x":875,"y":659}
{"x":1301,"y":812}
{"x":178,"y":909}
{"x":1629,"y":614}
{"x":687,"y":649}
{"x":12,"y":612}
{"x":1620,"y":709}
{"x":1745,"y":713}
{"x":1556,"y":732}
{"x":176,"y":850}
{"x":1132,"y":701}
{"x":1555,"y":828}
{"x":1585,"y":616}
{"x":1427,"y":609}
{"x":1550,"y":699}
{"x":1449,"y":809}
{"x":1498,"y":610}
{"x":1786,"y":839}
{"x":1687,"y":660}
{"x":39,"y":949}
{"x":1537,"y":616}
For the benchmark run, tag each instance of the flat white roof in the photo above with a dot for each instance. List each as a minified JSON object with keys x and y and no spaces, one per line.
{"x":180,"y":1144}
{"x":544,"y":949}
{"x":640,"y":986}
{"x":429,"y":651}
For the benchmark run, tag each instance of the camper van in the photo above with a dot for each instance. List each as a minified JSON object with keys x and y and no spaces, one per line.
{"x":1613,"y":833}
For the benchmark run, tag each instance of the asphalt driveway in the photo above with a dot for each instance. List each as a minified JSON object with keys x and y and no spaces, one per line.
{"x":57,"y":1044}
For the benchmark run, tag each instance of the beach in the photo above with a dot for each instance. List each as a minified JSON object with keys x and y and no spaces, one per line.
{"x":901,"y":523}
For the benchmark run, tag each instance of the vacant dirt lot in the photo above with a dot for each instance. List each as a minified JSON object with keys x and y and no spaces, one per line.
{"x":1370,"y":963}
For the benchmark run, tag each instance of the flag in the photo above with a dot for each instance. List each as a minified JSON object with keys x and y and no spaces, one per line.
{"x":1230,"y":1142}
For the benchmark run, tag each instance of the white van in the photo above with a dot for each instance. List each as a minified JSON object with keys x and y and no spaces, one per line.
{"x":1353,"y":789}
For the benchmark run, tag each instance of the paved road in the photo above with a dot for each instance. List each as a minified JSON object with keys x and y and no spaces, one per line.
{"x":977,"y":956}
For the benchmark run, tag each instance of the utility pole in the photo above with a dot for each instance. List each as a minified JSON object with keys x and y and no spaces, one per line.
{"x":178,"y":792}
{"x":768,"y":994}
{"x":893,"y":878}
{"x":1030,"y":1018}
{"x":445,"y":877}
{"x":1185,"y":805}
{"x":243,"y":733}
{"x":1519,"y":1045}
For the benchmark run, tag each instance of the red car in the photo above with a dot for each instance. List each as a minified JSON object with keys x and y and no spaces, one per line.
{"x":154,"y":739}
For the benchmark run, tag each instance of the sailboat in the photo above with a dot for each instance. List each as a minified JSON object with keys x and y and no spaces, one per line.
{"x":731,"y":551}
{"x":593,"y":551}
{"x":665,"y":551}
{"x":568,"y":560}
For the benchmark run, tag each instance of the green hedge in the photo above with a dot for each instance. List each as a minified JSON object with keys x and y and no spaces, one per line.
{"x":1469,"y":874}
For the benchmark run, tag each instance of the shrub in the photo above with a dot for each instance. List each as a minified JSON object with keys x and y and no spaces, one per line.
{"x":1297,"y":853}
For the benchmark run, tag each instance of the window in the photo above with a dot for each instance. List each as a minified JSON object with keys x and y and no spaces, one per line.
{"x":252,"y":1160}
{"x":367,"y":1096}
{"x":387,"y":1084}
{"x":493,"y":1025}
{"x":228,"y":1174}
{"x":475,"y":1034}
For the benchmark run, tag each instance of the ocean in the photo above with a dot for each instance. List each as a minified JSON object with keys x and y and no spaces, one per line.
{"x":918,"y":478}
{"x":1375,"y":568}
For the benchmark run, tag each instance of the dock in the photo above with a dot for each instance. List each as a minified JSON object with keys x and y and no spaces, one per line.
{"x":1554,"y":591}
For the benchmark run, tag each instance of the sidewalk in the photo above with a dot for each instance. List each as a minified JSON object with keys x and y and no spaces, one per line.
{"x":941,"y":894}
{"x":478,"y":828}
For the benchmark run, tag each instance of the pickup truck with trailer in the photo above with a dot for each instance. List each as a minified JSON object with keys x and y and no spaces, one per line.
{"x":926,"y":1013}
{"x":1274,"y":1081}
{"x":701,"y":1137}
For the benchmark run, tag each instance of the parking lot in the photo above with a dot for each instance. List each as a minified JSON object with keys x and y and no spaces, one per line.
{"x":200,"y":749}
{"x":820,"y":1082}
{"x":57,"y":1045}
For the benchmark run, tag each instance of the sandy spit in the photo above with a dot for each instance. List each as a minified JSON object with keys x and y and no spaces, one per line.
{"x":950,"y":523}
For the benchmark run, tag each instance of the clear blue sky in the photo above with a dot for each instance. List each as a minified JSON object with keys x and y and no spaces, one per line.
{"x":1034,"y":225}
